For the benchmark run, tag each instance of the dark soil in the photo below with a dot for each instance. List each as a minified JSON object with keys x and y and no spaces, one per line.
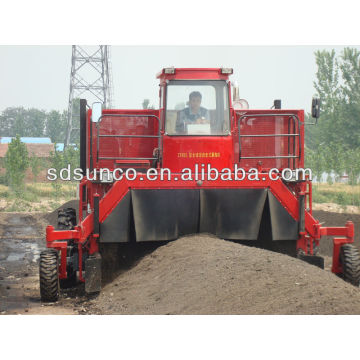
{"x":22,"y":237}
{"x":205,"y":275}
{"x":336,"y":219}
{"x":193,"y":275}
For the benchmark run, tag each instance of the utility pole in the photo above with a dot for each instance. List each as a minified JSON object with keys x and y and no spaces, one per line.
{"x":90,"y":78}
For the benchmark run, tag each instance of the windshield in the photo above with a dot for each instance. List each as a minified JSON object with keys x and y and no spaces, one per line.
{"x":197,"y":107}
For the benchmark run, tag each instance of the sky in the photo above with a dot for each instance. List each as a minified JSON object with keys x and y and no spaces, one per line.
{"x":39,"y":76}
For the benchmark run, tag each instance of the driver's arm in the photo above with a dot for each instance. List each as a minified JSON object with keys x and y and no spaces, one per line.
{"x":205,"y":118}
{"x":207,"y":115}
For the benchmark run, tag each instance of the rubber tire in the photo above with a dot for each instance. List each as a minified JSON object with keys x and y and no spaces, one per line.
{"x":66,"y":219}
{"x":49,"y":275}
{"x":350,"y":262}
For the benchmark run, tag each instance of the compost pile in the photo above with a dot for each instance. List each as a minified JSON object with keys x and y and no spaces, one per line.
{"x":205,"y":275}
{"x":192,"y":275}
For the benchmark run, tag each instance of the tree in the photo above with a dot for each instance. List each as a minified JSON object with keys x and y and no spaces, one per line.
{"x":35,"y":122}
{"x":327,"y":84}
{"x":316,"y":162}
{"x":350,"y":96}
{"x":75,"y":134}
{"x":12,"y":121}
{"x":145,"y":103}
{"x":55,"y":126}
{"x":352,"y":165}
{"x":337,"y":134}
{"x":25,"y":122}
{"x":327,"y":87}
{"x":71,"y":156}
{"x":16,"y":163}
{"x":35,"y":165}
{"x":338,"y":85}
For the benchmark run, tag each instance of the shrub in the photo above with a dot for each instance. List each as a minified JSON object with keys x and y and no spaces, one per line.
{"x":35,"y":165}
{"x":16,"y":163}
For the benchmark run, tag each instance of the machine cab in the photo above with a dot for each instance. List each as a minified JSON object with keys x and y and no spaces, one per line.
{"x":195,"y":111}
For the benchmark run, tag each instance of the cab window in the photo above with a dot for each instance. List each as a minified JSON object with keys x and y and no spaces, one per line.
{"x":197,"y":107}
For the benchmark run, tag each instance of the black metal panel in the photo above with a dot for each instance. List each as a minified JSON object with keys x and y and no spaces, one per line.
{"x":232,"y":213}
{"x":96,"y":215}
{"x":83,"y":135}
{"x":93,"y":274}
{"x":284,"y":227}
{"x":116,"y":227}
{"x":165,"y":214}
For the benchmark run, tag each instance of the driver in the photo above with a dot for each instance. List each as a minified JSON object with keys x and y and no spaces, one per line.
{"x":194,"y":114}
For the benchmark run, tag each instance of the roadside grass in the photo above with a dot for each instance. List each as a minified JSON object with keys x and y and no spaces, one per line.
{"x":42,"y":190}
{"x":37,"y":197}
{"x":341,"y":194}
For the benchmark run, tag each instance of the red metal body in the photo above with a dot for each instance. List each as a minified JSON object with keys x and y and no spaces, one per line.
{"x":261,"y":139}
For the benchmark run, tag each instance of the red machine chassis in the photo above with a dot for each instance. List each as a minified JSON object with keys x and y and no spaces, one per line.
{"x":248,"y":143}
{"x":83,"y":234}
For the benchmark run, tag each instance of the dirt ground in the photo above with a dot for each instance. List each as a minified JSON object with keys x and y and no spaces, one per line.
{"x":336,"y":219}
{"x":192,"y":275}
{"x":205,"y":275}
{"x":331,"y":207}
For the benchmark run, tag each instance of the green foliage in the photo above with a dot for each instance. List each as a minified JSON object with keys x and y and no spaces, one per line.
{"x":145,"y":103}
{"x":57,"y":162}
{"x":56,"y":125}
{"x":315,"y":160}
{"x":33,"y":123}
{"x":37,"y":197}
{"x":338,"y":85}
{"x":36,"y":166}
{"x":12,"y":122}
{"x":60,"y":160}
{"x":71,"y":155}
{"x":3,"y":179}
{"x":336,"y":159}
{"x":321,"y":195}
{"x":351,"y":161}
{"x":16,"y":163}
{"x":334,"y":144}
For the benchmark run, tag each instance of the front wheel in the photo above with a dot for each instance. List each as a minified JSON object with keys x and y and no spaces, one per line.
{"x":49,"y":275}
{"x":350,"y":262}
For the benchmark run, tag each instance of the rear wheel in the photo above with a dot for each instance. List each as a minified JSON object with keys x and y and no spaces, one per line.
{"x":49,"y":275}
{"x":350,"y":262}
{"x":66,"y":219}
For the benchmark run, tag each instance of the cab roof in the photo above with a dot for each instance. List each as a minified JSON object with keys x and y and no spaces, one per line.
{"x":172,"y":73}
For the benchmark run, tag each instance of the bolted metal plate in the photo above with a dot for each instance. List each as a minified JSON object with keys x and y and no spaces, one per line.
{"x":93,"y":273}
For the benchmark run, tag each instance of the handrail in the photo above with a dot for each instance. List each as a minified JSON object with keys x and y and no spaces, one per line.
{"x":126,"y":136}
{"x":294,"y":116}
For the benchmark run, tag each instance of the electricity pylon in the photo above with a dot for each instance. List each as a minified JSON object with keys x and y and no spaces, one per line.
{"x":90,"y":78}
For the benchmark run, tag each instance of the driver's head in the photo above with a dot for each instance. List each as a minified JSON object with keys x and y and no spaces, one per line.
{"x":195,"y":101}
